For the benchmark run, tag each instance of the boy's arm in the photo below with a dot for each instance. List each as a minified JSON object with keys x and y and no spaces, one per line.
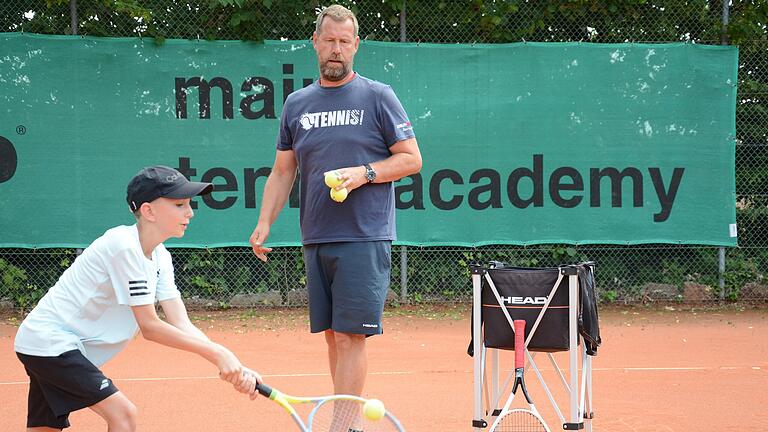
{"x":176,"y":315}
{"x":159,"y":331}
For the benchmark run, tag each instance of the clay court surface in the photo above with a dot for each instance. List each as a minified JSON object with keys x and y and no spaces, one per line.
{"x":659,"y":369}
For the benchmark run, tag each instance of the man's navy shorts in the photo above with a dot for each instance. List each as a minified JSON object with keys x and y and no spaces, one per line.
{"x":60,"y":385}
{"x":347,"y":284}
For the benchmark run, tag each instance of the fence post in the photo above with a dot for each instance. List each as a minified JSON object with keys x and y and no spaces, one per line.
{"x":721,"y":251}
{"x":403,"y":274}
{"x":721,"y":271}
{"x":73,"y":15}
{"x":724,"y":32}
{"x":403,"y":34}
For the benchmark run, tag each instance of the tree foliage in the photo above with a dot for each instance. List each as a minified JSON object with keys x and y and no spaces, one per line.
{"x":480,"y":21}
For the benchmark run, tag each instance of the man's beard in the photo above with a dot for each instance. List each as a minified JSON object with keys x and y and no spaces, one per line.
{"x":330,"y":73}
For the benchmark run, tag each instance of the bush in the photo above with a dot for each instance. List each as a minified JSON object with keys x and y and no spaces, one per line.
{"x":15,"y":287}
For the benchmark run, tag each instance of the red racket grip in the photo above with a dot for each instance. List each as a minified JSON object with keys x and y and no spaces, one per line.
{"x":519,"y":343}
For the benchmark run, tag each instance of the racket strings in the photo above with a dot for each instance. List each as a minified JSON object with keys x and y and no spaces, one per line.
{"x":337,"y":416}
{"x":520,"y":421}
{"x":346,"y":416}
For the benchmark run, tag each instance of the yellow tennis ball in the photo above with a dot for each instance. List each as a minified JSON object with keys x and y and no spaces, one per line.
{"x":332,"y":179}
{"x":374,"y":409}
{"x":339,"y":195}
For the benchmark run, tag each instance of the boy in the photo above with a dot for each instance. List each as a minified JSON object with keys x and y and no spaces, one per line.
{"x":104,"y":298}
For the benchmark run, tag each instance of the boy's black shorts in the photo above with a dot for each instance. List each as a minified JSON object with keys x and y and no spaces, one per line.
{"x":60,"y":385}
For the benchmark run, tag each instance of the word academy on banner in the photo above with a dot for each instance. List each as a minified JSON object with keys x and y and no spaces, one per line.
{"x":564,"y":187}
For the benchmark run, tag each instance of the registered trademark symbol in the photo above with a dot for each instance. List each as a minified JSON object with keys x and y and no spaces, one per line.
{"x":21,"y":130}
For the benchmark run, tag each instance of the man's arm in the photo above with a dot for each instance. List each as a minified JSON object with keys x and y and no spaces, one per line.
{"x":276,"y":192}
{"x":404,"y":161}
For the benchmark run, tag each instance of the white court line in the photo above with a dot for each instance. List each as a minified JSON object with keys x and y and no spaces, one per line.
{"x":678,"y":368}
{"x":662,"y":368}
{"x":300,"y":375}
{"x":192,"y":378}
{"x":295,"y":375}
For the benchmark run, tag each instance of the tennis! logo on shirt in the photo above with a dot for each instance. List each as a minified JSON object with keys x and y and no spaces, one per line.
{"x":331,"y":118}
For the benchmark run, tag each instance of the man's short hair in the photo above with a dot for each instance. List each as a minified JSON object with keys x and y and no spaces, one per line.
{"x":337,"y":13}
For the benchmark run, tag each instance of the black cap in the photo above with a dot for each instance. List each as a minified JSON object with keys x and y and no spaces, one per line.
{"x":158,"y":181}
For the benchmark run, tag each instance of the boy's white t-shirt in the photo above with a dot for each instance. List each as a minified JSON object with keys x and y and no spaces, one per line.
{"x":89,"y":308}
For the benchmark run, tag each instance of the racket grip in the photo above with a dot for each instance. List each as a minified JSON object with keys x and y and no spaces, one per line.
{"x":264,"y":389}
{"x":519,"y":343}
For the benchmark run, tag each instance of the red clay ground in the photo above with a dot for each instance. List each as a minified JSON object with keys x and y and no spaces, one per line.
{"x":660,"y":369}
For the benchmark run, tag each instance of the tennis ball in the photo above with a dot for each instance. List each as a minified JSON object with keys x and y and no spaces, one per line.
{"x":374,"y":409}
{"x":332,"y":179}
{"x":339,"y":195}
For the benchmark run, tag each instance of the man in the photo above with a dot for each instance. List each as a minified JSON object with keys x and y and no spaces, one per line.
{"x":357,"y":127}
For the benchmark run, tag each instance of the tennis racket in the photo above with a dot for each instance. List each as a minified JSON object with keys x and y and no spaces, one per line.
{"x":334,"y":413}
{"x":519,"y":420}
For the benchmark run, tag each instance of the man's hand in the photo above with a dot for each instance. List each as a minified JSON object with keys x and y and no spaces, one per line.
{"x":257,"y":240}
{"x":351,"y":178}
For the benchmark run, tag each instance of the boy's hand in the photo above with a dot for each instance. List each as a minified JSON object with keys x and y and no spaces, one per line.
{"x":230,"y":368}
{"x":249,"y":384}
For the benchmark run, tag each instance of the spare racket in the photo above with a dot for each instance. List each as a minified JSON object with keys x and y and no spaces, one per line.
{"x":519,"y":420}
{"x":335,"y":413}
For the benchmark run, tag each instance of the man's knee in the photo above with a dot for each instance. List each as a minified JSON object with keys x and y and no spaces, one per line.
{"x":348,"y":341}
{"x":330,"y":337}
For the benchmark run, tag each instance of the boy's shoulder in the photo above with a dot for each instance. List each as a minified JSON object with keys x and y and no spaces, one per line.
{"x":119,"y":245}
{"x":116,"y":239}
{"x":124,"y":237}
{"x":120,"y":234}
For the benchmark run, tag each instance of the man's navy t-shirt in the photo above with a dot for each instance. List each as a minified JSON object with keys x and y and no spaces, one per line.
{"x":337,"y":127}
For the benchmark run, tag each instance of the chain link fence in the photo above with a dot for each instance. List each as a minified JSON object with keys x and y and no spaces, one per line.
{"x":232,"y":277}
{"x":433,"y":21}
